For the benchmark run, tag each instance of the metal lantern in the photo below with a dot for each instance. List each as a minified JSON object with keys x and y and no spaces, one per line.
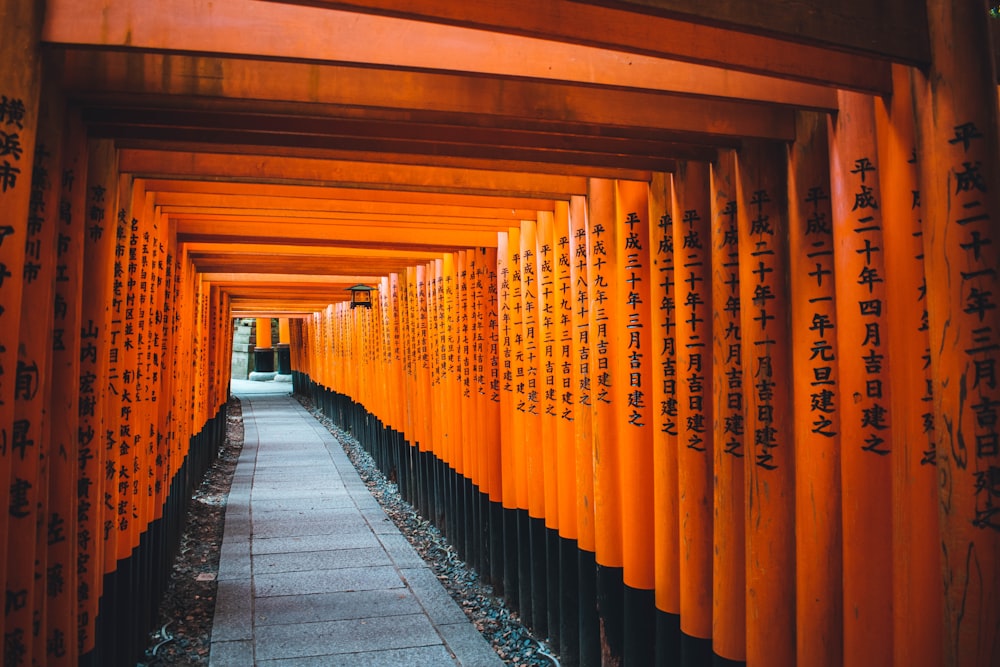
{"x":361,"y":295}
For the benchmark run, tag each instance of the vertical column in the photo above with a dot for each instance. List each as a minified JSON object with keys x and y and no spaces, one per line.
{"x":916,"y":541}
{"x":27,"y":587}
{"x":770,"y":534}
{"x":693,"y":289}
{"x":819,"y":570}
{"x":530,"y":411}
{"x":590,"y":647}
{"x":957,"y":144}
{"x":20,"y":87}
{"x":729,"y":534}
{"x":263,"y":354}
{"x":633,"y":402}
{"x":666,"y":525}
{"x":604,"y":313}
{"x":545,"y":251}
{"x":64,"y":504}
{"x":866,"y":466}
{"x":284,"y":348}
{"x":565,"y":438}
{"x":95,"y":337}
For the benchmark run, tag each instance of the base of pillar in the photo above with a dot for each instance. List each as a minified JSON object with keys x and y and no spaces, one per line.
{"x":278,"y":377}
{"x":260,"y":376}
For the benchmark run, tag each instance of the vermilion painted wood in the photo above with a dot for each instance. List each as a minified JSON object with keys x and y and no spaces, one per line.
{"x":957,"y":148}
{"x":633,"y":394}
{"x":605,"y":366}
{"x":728,"y":596}
{"x":818,"y":401}
{"x":620,"y":29}
{"x":666,"y":525}
{"x":692,"y":236}
{"x":582,"y":375}
{"x":917,"y":594}
{"x":866,"y":421}
{"x":770,"y":506}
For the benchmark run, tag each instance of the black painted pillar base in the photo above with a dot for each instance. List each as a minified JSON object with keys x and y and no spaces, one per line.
{"x":524,"y":567}
{"x":611,"y":613}
{"x":719,"y":661}
{"x":589,"y":625}
{"x":695,"y":651}
{"x":552,"y":586}
{"x":640,"y":626}
{"x":539,"y":585}
{"x":497,"y":556}
{"x":511,"y":562}
{"x":263,"y":360}
{"x":569,"y":603}
{"x":284,"y":359}
{"x":668,"y":639}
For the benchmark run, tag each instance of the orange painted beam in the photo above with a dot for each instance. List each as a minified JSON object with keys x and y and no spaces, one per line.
{"x":158,"y":164}
{"x":473,"y":202}
{"x":244,"y":28}
{"x":622,"y":30}
{"x":182,"y":201}
{"x":438,"y":95}
{"x":209,"y":230}
{"x":481,"y":157}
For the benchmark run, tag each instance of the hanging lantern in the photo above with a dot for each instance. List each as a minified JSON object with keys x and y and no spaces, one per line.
{"x":361,"y":295}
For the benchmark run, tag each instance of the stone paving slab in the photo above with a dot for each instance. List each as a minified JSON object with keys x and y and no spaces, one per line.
{"x":312,"y":571}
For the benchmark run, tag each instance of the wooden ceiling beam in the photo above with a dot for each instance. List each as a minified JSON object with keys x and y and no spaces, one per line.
{"x":233,"y":203}
{"x":411,"y":159}
{"x":485,"y":101}
{"x":268,"y":169}
{"x":694,"y":35}
{"x":353,"y":195}
{"x":241,"y":28}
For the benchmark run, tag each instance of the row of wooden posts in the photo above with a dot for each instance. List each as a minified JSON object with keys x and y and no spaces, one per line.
{"x":759,"y":395}
{"x":763,"y":390}
{"x":114,"y":373}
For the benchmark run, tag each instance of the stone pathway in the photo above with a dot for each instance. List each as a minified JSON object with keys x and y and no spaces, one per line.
{"x":312,"y":572}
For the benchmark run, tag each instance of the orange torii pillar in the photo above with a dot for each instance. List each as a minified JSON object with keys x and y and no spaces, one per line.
{"x":634,"y":402}
{"x":957,"y":145}
{"x":562,"y":314}
{"x":65,"y":471}
{"x":864,"y":358}
{"x":917,"y":606}
{"x":818,"y":545}
{"x":284,"y":347}
{"x":95,"y":337}
{"x":263,"y":354}
{"x":546,"y":333}
{"x":769,"y":462}
{"x":19,"y":94}
{"x":29,"y":444}
{"x":666,"y":554}
{"x":729,"y":520}
{"x":589,"y":629}
{"x":605,"y":360}
{"x":692,"y":229}
{"x":531,"y":553}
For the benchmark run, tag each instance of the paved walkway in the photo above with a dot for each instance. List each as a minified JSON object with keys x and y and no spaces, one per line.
{"x":312,"y":571}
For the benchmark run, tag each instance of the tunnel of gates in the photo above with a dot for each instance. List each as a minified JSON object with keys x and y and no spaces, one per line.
{"x":745,"y":411}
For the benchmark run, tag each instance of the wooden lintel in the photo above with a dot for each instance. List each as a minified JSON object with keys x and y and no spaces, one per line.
{"x":262,"y":30}
{"x":267,"y":169}
{"x":697,"y":37}
{"x":478,"y":99}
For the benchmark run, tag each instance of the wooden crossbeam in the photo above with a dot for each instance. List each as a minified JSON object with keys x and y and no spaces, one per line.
{"x":693,"y":31}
